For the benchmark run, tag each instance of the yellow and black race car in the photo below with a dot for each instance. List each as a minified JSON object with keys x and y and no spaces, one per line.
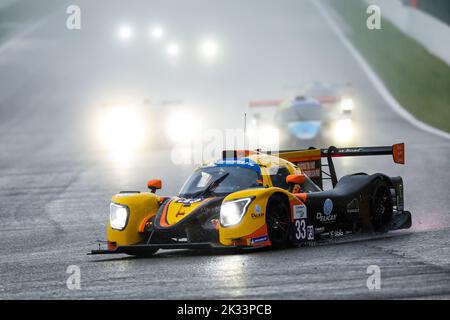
{"x":251,"y":199}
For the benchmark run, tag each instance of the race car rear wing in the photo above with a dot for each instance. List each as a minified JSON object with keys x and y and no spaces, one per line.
{"x":309,"y":160}
{"x":265,"y":103}
{"x":397,"y":151}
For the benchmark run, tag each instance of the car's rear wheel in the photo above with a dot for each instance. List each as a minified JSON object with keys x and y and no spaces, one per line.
{"x":278,"y":221}
{"x":380,"y":206}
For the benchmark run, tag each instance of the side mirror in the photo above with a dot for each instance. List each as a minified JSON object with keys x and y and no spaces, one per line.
{"x":295,"y":179}
{"x":154,"y":185}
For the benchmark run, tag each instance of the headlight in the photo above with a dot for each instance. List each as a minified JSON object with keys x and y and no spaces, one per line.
{"x":183,"y":127}
{"x":173,"y":49}
{"x":209,"y":49}
{"x":125,"y":32}
{"x":231,"y":212}
{"x":347,"y":105}
{"x":157,"y":32}
{"x":121,"y":128}
{"x":343,"y":130}
{"x":118,"y":216}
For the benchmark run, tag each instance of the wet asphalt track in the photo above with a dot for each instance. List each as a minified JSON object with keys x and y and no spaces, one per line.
{"x":55,"y":184}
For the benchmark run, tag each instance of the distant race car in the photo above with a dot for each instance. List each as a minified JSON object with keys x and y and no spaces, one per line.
{"x":335,"y":97}
{"x":321,"y":114}
{"x":250,"y":199}
{"x":132,"y":124}
{"x":305,"y":121}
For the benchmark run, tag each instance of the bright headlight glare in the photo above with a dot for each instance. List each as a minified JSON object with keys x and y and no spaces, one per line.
{"x":121,"y":129}
{"x":157,"y":32}
{"x":347,"y":104}
{"x":125,"y":32}
{"x":231,"y":212}
{"x":118,"y":216}
{"x":209,"y":49}
{"x":343,"y":130}
{"x":183,"y":127}
{"x":173,"y":49}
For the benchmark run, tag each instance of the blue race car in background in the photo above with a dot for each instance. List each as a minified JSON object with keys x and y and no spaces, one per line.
{"x":322,"y":116}
{"x":302,"y":122}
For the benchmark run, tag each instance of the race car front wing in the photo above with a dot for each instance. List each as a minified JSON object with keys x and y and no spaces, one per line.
{"x":144,"y":248}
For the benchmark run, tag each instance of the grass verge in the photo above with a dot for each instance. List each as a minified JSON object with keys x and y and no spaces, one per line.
{"x":417,"y":79}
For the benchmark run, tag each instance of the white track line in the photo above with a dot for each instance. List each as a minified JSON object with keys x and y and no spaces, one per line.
{"x":376,"y":81}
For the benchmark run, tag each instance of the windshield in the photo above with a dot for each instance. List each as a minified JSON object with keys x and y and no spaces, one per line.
{"x":317,"y":92}
{"x":238,"y":178}
{"x":301,"y":113}
{"x":309,"y":186}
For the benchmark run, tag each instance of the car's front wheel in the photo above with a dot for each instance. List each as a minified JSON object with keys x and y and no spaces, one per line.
{"x":278,"y":221}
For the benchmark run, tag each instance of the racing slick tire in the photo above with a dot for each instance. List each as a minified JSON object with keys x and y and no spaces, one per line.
{"x":278,"y":221}
{"x":380,"y":206}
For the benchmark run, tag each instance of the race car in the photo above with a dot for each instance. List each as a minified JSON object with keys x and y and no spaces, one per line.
{"x":251,"y":199}
{"x":299,"y":122}
{"x":320,"y":114}
{"x":126,"y":125}
{"x":306,"y":122}
{"x":334,"y":97}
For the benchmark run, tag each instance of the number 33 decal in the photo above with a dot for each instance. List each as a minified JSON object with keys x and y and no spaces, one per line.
{"x":300,"y":229}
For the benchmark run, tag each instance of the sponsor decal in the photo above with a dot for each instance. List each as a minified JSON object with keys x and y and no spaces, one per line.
{"x":325,"y":218}
{"x":353,"y":206}
{"x":259,"y":239}
{"x":243,"y":162}
{"x":258,"y":212}
{"x":310,"y":232}
{"x":328,"y":207}
{"x":188,"y":202}
{"x":336,"y":233}
{"x":257,"y":215}
{"x":350,"y":150}
{"x":300,"y":211}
